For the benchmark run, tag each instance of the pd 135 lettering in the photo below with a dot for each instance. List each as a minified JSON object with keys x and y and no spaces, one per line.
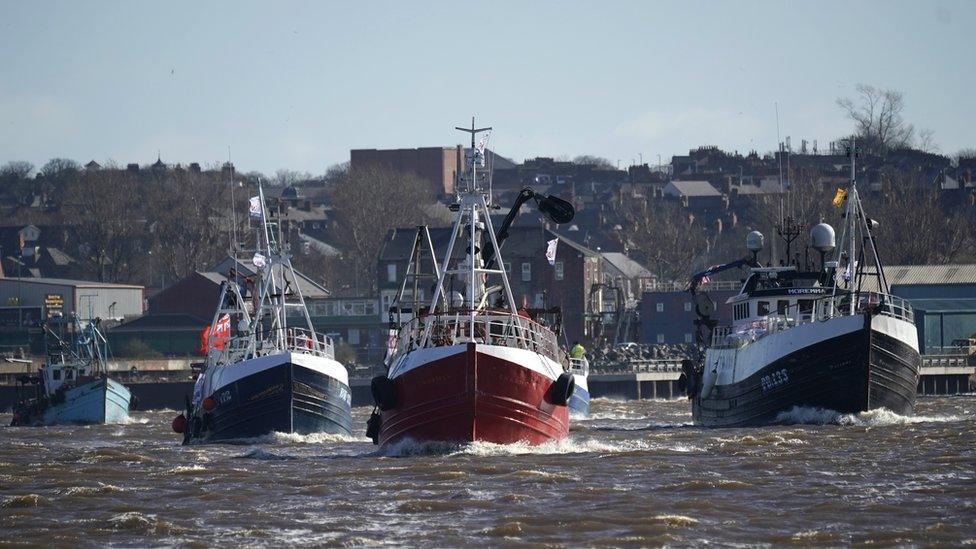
{"x":773,"y":380}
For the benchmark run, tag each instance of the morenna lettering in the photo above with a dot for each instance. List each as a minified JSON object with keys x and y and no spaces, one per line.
{"x":795,"y":291}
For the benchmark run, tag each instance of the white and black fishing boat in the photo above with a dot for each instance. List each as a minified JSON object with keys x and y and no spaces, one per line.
{"x":267,"y":370}
{"x":832,"y":338}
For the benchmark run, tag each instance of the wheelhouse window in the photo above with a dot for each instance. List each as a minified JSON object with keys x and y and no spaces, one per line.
{"x":762,"y":308}
{"x":782,"y":306}
{"x":740,"y":311}
{"x":56,"y":375}
{"x":806,"y":308}
{"x":69,"y":374}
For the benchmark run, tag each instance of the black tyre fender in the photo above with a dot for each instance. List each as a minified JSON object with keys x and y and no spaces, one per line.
{"x":384,"y":393}
{"x":373,"y":425}
{"x":563,"y":388}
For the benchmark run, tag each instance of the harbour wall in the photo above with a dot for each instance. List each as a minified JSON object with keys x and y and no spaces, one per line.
{"x":167,"y":394}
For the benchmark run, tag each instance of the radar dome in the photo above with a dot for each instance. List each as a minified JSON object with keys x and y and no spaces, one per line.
{"x":754,"y":241}
{"x":822,"y":238}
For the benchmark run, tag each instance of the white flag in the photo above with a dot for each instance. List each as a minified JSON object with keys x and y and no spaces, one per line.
{"x":259,"y":260}
{"x":254,"y":208}
{"x":483,"y":143}
{"x":551,"y":251}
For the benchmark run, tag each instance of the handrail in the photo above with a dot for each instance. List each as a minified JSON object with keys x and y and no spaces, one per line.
{"x":245,"y":347}
{"x":823,"y":309}
{"x":491,"y":327}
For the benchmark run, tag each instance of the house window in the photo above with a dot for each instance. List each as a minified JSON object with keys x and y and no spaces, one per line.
{"x":688,"y":338}
{"x":391,"y":272}
{"x":353,"y":336}
{"x":526,"y":272}
{"x":659,"y":307}
{"x":660,"y":338}
{"x":559,"y":270}
{"x":687,"y":306}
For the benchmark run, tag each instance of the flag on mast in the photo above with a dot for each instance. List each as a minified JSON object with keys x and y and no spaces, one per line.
{"x":551,"y":250}
{"x":254,"y":207}
{"x":839,"y":197}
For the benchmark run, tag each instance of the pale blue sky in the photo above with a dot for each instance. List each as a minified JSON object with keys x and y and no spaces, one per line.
{"x":297,"y":84}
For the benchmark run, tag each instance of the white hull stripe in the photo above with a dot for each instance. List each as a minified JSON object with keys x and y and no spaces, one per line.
{"x":221,"y":376}
{"x":734,"y":365}
{"x":527,"y":359}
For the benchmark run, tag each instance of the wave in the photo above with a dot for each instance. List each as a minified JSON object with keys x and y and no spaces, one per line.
{"x":24,"y":501}
{"x":129,"y":420}
{"x":264,"y":455}
{"x":294,"y":438}
{"x":881,"y":417}
{"x":407,"y":448}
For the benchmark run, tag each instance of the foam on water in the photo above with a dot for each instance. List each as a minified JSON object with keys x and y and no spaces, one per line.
{"x":873,"y":418}
{"x":568,"y":445}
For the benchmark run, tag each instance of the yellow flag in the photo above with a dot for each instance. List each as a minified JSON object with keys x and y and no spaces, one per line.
{"x":839,"y":198}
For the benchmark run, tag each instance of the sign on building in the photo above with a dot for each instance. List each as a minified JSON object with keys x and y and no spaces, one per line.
{"x":54,"y":304}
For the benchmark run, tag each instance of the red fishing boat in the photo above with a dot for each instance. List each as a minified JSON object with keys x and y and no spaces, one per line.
{"x":467,"y":365}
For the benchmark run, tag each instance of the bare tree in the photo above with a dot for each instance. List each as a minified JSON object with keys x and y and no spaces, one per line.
{"x":15,"y":179}
{"x":188,"y":223}
{"x":103,"y":209}
{"x":598,"y":162}
{"x":370,"y":201}
{"x":877,"y":117}
{"x":286,"y":178}
{"x":670,"y":240}
{"x":914,"y":226}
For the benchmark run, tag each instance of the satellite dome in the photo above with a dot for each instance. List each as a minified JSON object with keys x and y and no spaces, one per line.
{"x":822,"y":238}
{"x":754,"y":241}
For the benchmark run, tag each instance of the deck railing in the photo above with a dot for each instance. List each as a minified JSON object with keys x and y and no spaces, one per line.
{"x":489,"y":327}
{"x":299,"y":340}
{"x":823,"y":309}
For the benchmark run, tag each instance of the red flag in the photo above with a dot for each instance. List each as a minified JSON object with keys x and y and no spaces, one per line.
{"x":220,"y":333}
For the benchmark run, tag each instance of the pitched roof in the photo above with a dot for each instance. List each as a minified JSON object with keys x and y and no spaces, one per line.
{"x":75,"y":283}
{"x":691,"y":188}
{"x":627,"y":266}
{"x":907,"y":275}
{"x":310,"y":289}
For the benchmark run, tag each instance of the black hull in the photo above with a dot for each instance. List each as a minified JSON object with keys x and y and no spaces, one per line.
{"x":856,"y":372}
{"x":286,"y":398}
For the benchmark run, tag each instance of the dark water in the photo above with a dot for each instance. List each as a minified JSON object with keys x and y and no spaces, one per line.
{"x":636,"y":474}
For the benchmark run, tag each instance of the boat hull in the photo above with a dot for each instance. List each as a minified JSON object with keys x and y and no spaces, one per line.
{"x":98,"y":401}
{"x":472,"y":392}
{"x":861,"y":368}
{"x":281,"y":396}
{"x":579,"y":403}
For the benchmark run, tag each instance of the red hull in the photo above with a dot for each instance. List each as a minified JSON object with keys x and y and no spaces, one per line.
{"x":473,"y":396}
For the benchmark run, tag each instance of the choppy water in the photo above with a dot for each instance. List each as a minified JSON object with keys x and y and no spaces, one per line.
{"x":636,"y":473}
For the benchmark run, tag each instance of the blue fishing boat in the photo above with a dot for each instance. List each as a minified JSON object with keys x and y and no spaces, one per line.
{"x":579,"y":403}
{"x":73,"y":385}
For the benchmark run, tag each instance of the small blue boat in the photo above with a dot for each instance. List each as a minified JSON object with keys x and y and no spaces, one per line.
{"x":73,"y":385}
{"x":579,"y":403}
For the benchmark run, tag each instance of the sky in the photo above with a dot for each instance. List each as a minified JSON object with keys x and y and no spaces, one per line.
{"x":296,"y":85}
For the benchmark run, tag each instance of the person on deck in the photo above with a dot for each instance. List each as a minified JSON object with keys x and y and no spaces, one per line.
{"x":577,"y":351}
